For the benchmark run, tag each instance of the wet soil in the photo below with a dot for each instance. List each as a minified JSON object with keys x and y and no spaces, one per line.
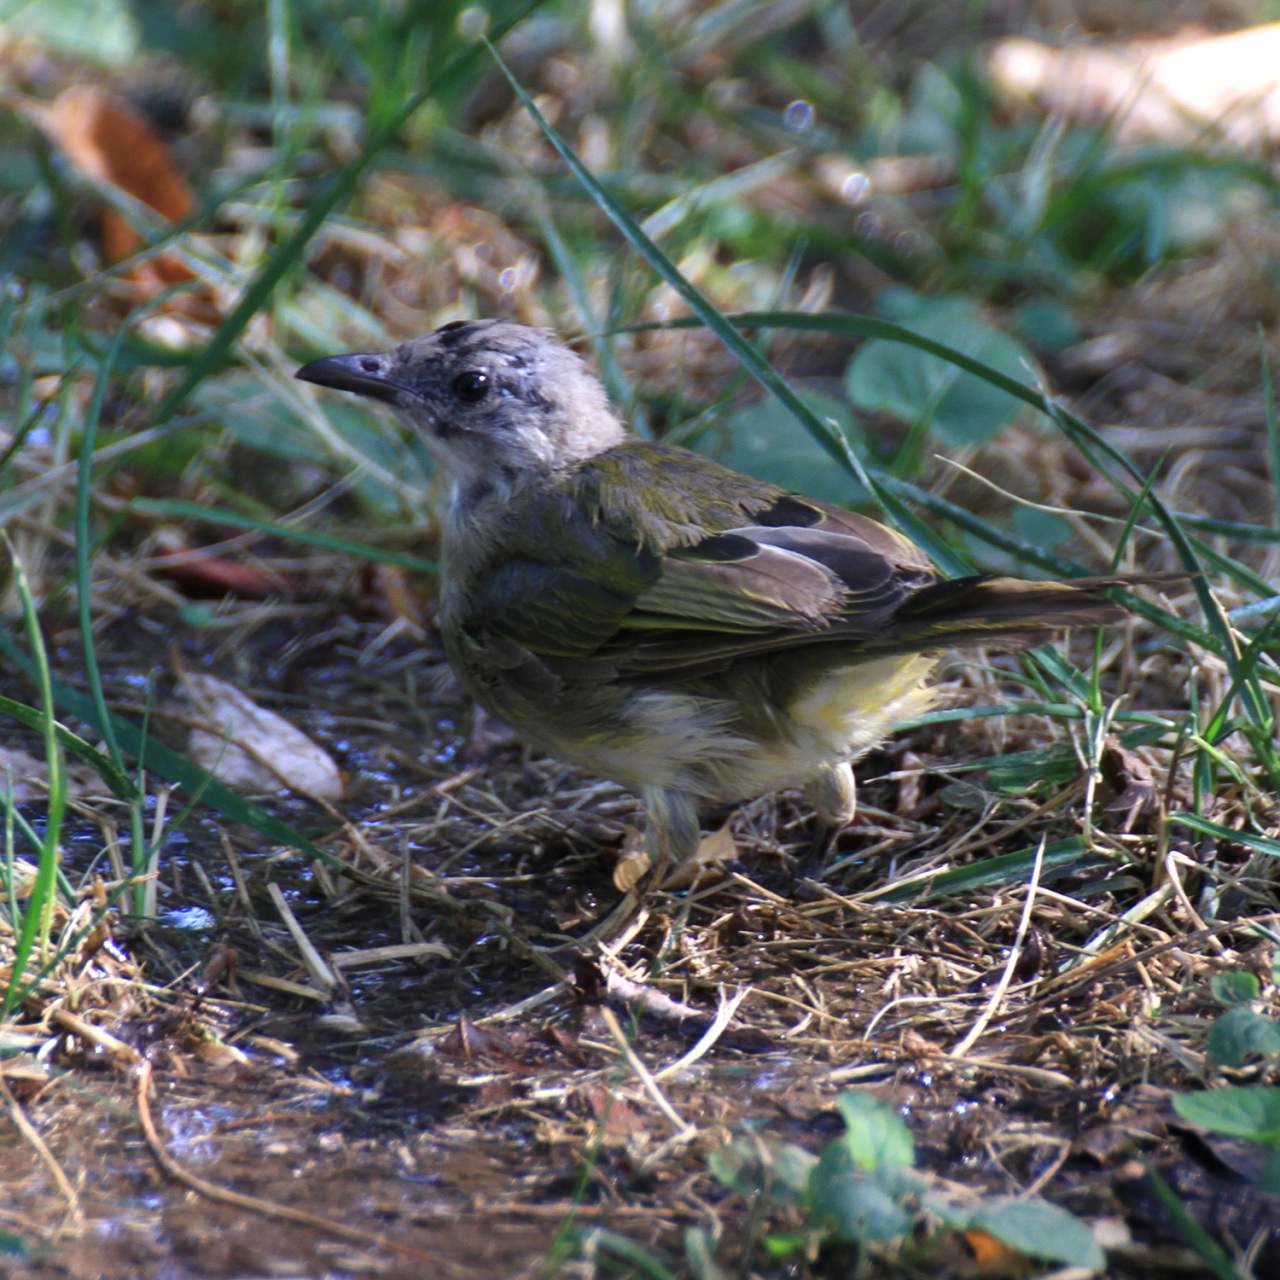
{"x":469,"y":1103}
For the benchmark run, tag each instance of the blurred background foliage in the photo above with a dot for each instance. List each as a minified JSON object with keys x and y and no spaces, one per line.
{"x":197,"y":197}
{"x":786,"y":154}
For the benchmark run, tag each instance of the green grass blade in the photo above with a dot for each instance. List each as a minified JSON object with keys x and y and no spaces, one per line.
{"x":84,"y":540}
{"x":10,"y":814}
{"x":1215,"y":730}
{"x":1273,"y":425}
{"x":38,"y":918}
{"x":831,"y":440}
{"x":1049,"y":561}
{"x":167,"y":507}
{"x":14,"y":815}
{"x":290,"y":252}
{"x":1259,"y":844}
{"x":1075,"y":428}
{"x":106,"y":768}
{"x":176,"y":768}
{"x":1062,"y":857}
{"x":1197,"y":1237}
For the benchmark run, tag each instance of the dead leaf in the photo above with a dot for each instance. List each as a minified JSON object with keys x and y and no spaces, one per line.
{"x":24,"y":873}
{"x":706,"y":865}
{"x":251,"y":749}
{"x":29,"y":776}
{"x":106,"y":137}
{"x":633,"y":861}
{"x":994,"y":1257}
{"x":1171,"y":90}
{"x":24,"y":1075}
{"x":619,"y":1118}
{"x":471,"y":1043}
{"x":1130,"y":777}
{"x":205,"y":573}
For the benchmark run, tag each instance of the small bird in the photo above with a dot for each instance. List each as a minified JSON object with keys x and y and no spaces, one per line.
{"x":697,"y":635}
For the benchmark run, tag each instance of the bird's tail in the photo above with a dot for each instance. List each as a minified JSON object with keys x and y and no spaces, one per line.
{"x":1010,"y":612}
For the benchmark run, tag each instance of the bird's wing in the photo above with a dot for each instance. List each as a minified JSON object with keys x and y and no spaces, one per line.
{"x":798,"y":571}
{"x":554,"y":610}
{"x":804,"y":573}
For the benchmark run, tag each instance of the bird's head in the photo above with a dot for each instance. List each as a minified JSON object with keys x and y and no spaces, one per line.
{"x":495,"y":403}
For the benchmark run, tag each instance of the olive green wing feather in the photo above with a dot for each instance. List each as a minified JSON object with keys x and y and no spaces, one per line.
{"x":652,"y":561}
{"x":681,"y":562}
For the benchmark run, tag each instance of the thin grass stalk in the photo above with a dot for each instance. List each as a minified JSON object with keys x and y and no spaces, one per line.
{"x":8,"y":311}
{"x":1273,"y":423}
{"x":570,"y":271}
{"x":831,"y":440}
{"x":1197,"y":1237}
{"x":83,"y":551}
{"x":39,"y":915}
{"x":176,"y":768}
{"x":72,"y":941}
{"x":1217,"y":728}
{"x":11,"y":886}
{"x":36,"y":841}
{"x":342,"y":185}
{"x":168,"y":507}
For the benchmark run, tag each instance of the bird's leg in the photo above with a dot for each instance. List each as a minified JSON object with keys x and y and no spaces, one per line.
{"x":833,"y":796}
{"x":672,"y":833}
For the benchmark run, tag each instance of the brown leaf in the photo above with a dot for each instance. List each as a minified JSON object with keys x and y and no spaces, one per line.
{"x":705,"y":867}
{"x":208,"y":574}
{"x":107,"y":138}
{"x":1129,"y":776}
{"x":620,"y":1119}
{"x":471,"y":1042}
{"x":1170,"y":90}
{"x":251,"y":749}
{"x":995,"y":1258}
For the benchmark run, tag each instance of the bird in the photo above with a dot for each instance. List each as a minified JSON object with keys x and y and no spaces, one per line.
{"x":697,"y":635}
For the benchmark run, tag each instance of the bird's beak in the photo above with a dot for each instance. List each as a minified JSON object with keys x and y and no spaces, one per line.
{"x":366,"y":375}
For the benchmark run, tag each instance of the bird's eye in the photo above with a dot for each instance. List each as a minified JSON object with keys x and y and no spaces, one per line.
{"x":471,"y":387}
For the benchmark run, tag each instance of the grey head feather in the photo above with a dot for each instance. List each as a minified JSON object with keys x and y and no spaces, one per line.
{"x":495,"y":403}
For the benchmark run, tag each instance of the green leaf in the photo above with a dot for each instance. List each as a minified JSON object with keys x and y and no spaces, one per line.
{"x":1235,"y":987}
{"x":1046,"y":323}
{"x":764,"y":1166}
{"x":1042,"y":529}
{"x":875,"y":1133}
{"x":1039,"y":1230}
{"x":960,"y":408}
{"x":1269,"y":1178}
{"x":784,"y":1243}
{"x":851,"y":1203}
{"x":1246,"y":1111}
{"x":1241,"y":1033}
{"x":766,"y":441}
